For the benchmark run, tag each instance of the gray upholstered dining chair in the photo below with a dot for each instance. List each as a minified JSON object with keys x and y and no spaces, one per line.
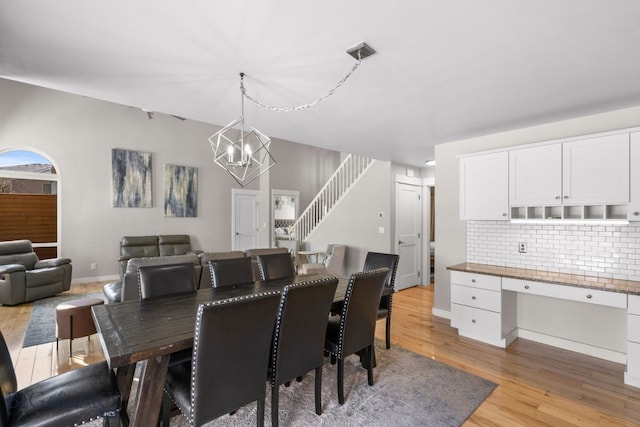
{"x":71,"y":398}
{"x":298,"y":339}
{"x":228,"y":272}
{"x":225,"y":373}
{"x":332,"y":262}
{"x":353,"y":330}
{"x":276,"y":266}
{"x":375,"y":260}
{"x":162,"y":280}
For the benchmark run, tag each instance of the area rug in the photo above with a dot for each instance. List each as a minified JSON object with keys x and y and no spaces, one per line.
{"x":42,"y":323}
{"x":409,"y":390}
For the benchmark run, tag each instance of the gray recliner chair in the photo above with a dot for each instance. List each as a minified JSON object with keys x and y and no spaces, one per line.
{"x":24,"y":278}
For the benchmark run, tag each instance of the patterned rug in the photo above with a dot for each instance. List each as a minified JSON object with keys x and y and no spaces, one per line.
{"x":409,"y":390}
{"x":42,"y":323}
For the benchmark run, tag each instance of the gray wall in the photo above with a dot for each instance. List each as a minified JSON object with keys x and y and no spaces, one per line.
{"x":354,"y":221}
{"x":78,"y":133}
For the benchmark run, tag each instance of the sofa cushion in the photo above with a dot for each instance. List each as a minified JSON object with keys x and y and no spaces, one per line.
{"x":174,"y":244}
{"x":139,"y":246}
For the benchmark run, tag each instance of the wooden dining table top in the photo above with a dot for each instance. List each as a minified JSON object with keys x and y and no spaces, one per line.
{"x":133,"y":331}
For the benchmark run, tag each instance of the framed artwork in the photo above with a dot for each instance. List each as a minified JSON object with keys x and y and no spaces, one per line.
{"x":131,"y":179}
{"x":180,"y":191}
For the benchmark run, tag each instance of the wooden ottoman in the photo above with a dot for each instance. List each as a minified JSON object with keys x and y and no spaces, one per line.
{"x":74,"y":319}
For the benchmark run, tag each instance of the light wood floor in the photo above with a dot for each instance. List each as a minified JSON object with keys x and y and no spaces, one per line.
{"x":537,"y":384}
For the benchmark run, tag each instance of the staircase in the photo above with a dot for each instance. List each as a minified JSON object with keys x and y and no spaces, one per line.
{"x":344,"y":178}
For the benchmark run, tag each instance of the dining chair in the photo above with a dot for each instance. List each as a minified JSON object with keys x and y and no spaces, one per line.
{"x":162,"y":280}
{"x":332,"y":262}
{"x":227,"y":272}
{"x":156,"y":281}
{"x":71,"y":398}
{"x":375,"y":260}
{"x":298,"y":339}
{"x":231,"y":346}
{"x":353,"y":329}
{"x":276,"y":266}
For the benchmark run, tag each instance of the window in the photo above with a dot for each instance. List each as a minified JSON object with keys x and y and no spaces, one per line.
{"x":29,"y":200}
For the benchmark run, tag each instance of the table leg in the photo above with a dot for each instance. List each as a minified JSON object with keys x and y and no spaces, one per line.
{"x":124,"y":377}
{"x":149,"y":395}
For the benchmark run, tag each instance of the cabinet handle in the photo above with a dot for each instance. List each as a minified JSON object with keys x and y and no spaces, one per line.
{"x":473,"y":320}
{"x":566,"y":197}
{"x":504,"y":214}
{"x":636,"y":213}
{"x":473,"y":297}
{"x":589,"y":296}
{"x":526,"y":286}
{"x":473,"y":280}
{"x":558,"y":197}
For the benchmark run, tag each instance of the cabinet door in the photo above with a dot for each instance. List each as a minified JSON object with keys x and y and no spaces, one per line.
{"x":535,"y":176}
{"x":596,"y":170}
{"x":633,"y":211}
{"x":484,"y":186}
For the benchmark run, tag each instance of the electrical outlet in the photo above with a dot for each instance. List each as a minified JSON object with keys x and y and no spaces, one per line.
{"x":94,"y":265}
{"x":522,"y":248}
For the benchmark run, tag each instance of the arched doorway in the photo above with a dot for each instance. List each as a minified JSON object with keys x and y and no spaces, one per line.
{"x":29,"y":200}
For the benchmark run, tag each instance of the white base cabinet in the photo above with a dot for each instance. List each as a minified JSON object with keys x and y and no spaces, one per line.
{"x":632,"y":373}
{"x":480,"y":310}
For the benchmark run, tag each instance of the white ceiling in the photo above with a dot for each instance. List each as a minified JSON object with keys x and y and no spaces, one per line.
{"x":444,"y":70}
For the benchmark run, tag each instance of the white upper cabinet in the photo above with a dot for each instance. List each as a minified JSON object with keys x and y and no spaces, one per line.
{"x":535,"y":176}
{"x":633,"y":213}
{"x":484,"y":186}
{"x":596,"y":170}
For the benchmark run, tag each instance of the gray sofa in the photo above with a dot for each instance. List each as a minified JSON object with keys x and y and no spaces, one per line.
{"x":24,"y":278}
{"x":153,"y":246}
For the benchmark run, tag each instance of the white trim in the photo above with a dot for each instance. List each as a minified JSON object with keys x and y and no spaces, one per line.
{"x":589,"y":350}
{"x":410,"y":180}
{"x":441,"y":313}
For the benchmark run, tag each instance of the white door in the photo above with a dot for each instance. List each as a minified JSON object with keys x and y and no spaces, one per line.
{"x":245,"y":219}
{"x":408,"y":226}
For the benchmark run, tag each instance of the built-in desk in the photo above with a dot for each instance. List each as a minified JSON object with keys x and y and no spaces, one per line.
{"x":484,"y":302}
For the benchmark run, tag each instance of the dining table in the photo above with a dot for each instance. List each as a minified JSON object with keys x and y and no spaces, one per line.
{"x":148,"y":332}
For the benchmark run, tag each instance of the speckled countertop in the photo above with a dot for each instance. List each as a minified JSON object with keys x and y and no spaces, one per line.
{"x":580,"y":281}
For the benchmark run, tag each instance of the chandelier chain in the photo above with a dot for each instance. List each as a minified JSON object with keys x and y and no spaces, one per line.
{"x":301,"y":107}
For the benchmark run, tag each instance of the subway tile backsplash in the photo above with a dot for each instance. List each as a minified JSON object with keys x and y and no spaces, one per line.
{"x":602,"y":250}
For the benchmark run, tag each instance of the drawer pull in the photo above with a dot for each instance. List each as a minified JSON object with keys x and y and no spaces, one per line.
{"x":473,"y":297}
{"x":636,"y":213}
{"x":473,"y":280}
{"x":473,"y":320}
{"x":526,"y":286}
{"x":589,"y":296}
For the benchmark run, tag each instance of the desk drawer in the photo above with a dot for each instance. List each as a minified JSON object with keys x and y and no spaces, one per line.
{"x":633,"y":330}
{"x":482,"y":281}
{"x":589,"y":296}
{"x":476,"y":321}
{"x":476,"y":297}
{"x":634,"y":304}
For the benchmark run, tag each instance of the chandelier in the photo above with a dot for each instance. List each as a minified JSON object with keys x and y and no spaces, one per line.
{"x":242,"y":150}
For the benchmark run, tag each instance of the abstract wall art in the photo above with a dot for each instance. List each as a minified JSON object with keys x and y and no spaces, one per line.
{"x":131,"y":179}
{"x":180,"y":191}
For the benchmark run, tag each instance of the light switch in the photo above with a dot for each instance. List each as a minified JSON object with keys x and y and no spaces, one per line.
{"x":381,"y":230}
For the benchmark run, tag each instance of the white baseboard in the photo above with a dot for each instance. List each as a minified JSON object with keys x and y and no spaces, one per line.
{"x":82,"y":280}
{"x":589,"y":350}
{"x":631,"y":380}
{"x":441,"y":313}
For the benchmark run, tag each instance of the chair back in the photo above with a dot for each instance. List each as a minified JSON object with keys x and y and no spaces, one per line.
{"x":233,"y":271}
{"x":8,"y":382}
{"x":301,"y":325}
{"x":335,"y":260}
{"x":359,"y":310}
{"x":161,"y":280}
{"x":276,"y":266}
{"x":375,"y":260}
{"x":231,"y":354}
